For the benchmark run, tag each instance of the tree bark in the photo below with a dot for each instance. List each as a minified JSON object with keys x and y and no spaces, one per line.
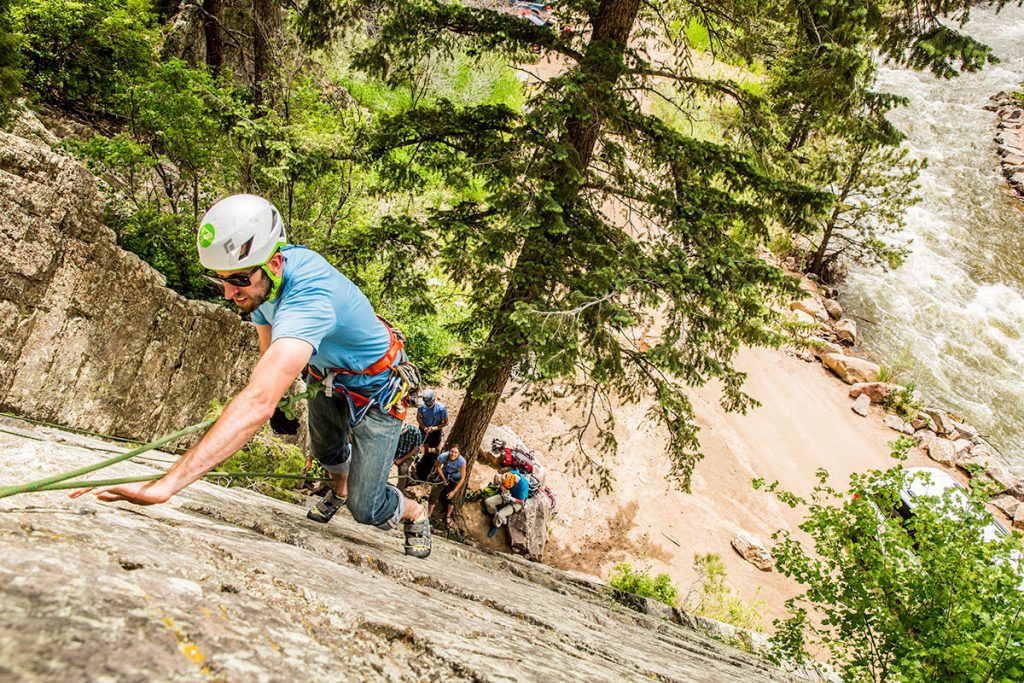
{"x":262,"y":24}
{"x":601,"y":67}
{"x":213,"y":14}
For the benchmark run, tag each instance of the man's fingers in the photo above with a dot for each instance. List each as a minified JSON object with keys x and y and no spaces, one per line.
{"x":109,"y":496}
{"x":79,"y":492}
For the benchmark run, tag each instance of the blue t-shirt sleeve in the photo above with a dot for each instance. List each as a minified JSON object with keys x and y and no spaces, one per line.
{"x":258,"y":318}
{"x":444,"y":413}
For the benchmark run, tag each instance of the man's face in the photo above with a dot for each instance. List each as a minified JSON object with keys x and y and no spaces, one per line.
{"x":249,"y":298}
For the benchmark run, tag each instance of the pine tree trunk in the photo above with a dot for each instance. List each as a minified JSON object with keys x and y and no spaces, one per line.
{"x":262,"y":20}
{"x":214,"y":11}
{"x":602,"y":65}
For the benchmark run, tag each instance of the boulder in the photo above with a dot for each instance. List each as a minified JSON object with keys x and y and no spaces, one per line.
{"x":528,"y":528}
{"x":920,"y":421}
{"x":1006,"y":504}
{"x":962,"y":446}
{"x":895,"y":422}
{"x":819,"y":347}
{"x":804,"y":317}
{"x":506,"y":434}
{"x":940,"y":450}
{"x":979,"y":455}
{"x":751,"y":549}
{"x":846,"y":330}
{"x":997,"y":473}
{"x":942,"y":422}
{"x":922,"y":435}
{"x":833,"y":308}
{"x":851,"y":369}
{"x":1018,"y":519}
{"x":875,"y":391}
{"x":812,"y":306}
{"x":861,"y":405}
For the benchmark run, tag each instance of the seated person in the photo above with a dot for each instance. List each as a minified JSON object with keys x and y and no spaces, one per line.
{"x":513,"y":489}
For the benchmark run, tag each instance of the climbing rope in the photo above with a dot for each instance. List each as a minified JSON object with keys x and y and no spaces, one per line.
{"x":45,"y":483}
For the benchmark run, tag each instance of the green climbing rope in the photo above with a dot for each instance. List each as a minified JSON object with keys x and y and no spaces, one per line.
{"x":46,"y":482}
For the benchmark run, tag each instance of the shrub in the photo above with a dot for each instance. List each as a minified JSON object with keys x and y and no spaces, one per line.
{"x":640,"y":582}
{"x":712,"y":598}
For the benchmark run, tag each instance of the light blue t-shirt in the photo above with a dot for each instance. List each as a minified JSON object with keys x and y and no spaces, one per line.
{"x":318,"y":304}
{"x":452,"y":468}
{"x":433,"y":416}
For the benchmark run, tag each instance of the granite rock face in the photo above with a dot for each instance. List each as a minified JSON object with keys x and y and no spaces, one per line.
{"x":89,"y":335}
{"x":225,"y":584}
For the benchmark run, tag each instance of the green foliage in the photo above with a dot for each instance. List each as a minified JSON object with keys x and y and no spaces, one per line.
{"x":10,"y":73}
{"x":888,"y":599}
{"x":640,"y":582}
{"x":76,"y":54}
{"x":711,"y":597}
{"x":903,"y":401}
{"x":901,"y":446}
{"x":265,"y":453}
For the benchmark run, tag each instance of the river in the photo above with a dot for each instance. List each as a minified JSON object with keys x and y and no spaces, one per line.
{"x":951,"y":318}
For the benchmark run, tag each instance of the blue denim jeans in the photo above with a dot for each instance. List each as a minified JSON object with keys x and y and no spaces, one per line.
{"x":373,"y":441}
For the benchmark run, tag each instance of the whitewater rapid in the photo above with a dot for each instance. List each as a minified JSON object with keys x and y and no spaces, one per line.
{"x":951,"y":318}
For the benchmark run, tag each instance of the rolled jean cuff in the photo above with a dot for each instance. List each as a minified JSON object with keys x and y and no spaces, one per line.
{"x":393,"y":520}
{"x":338,"y":469}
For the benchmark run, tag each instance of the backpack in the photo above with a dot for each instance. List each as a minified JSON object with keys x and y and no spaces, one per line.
{"x":515,"y":458}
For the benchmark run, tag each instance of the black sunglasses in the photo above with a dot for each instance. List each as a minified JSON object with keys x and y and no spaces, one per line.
{"x":236,"y":279}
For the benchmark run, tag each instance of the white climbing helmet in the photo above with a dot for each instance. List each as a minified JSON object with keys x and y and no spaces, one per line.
{"x":240,"y":231}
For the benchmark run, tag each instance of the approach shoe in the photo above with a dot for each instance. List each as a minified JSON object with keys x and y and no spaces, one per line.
{"x":326,"y":508}
{"x":492,"y":532}
{"x":417,"y":538}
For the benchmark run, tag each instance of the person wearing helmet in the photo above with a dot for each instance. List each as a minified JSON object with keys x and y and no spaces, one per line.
{"x":309,"y":318}
{"x":432,"y":416}
{"x":513,"y":489}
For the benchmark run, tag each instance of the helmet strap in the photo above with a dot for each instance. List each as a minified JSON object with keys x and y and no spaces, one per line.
{"x":275,"y":282}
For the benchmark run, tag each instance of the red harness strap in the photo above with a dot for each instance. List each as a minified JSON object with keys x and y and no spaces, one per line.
{"x":395,"y":347}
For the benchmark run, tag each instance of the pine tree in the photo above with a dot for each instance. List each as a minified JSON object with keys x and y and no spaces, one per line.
{"x":599,"y":220}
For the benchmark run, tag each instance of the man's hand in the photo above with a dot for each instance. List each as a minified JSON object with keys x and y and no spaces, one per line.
{"x":451,"y":494}
{"x":282,"y":424}
{"x":143,"y":493}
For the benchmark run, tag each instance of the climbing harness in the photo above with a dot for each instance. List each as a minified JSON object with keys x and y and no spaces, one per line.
{"x":392,"y":397}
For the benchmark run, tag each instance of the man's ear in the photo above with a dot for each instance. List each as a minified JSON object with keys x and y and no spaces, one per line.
{"x":276,"y":263}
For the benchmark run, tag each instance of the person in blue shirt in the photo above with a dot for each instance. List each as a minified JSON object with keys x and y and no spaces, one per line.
{"x":432,"y":417}
{"x":409,"y":442}
{"x":451,"y":469}
{"x":310,"y":319}
{"x":513,"y":489}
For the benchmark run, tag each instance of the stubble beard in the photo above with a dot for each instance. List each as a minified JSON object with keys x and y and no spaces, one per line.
{"x":255,"y":301}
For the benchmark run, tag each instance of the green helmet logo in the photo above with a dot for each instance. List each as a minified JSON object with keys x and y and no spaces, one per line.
{"x":206,"y":233}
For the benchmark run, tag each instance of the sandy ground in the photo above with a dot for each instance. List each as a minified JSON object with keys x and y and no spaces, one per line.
{"x":804,"y":423}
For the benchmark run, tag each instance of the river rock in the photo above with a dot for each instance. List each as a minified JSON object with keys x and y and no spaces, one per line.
{"x":820,"y":347}
{"x":803,"y":317}
{"x":978,"y":456}
{"x":876,"y":391}
{"x":751,"y":549}
{"x":920,"y":421}
{"x":834,"y":308}
{"x":962,"y":446}
{"x":1007,"y":504}
{"x":997,"y":473}
{"x":851,"y":369}
{"x":942,"y":422}
{"x":940,"y":450}
{"x":1017,"y":178}
{"x":922,"y":434}
{"x":846,"y":330}
{"x":896,"y":423}
{"x":1014,"y":160}
{"x":1018,"y":519}
{"x":811,"y":306}
{"x":861,"y":405}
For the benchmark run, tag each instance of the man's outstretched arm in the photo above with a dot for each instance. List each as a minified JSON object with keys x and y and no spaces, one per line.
{"x":244,"y":415}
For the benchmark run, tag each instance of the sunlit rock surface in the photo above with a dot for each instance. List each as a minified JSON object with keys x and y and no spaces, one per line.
{"x":226,"y":584}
